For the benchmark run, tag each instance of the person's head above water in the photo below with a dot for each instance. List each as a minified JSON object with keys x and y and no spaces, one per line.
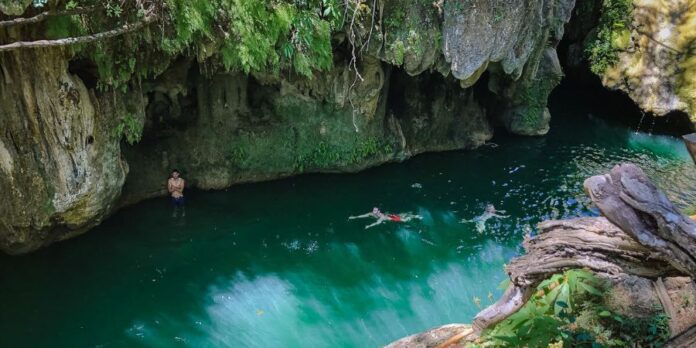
{"x":376,"y":211}
{"x":490,"y":208}
{"x":175,"y":174}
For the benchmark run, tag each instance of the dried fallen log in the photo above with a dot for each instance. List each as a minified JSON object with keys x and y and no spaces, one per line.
{"x":685,"y":339}
{"x":628,"y":199}
{"x":591,"y":242}
{"x":432,"y":338}
{"x":690,"y":142}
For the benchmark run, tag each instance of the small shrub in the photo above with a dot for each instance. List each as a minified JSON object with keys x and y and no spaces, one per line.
{"x":566,"y":311}
{"x":130,"y":128}
{"x":612,"y":35}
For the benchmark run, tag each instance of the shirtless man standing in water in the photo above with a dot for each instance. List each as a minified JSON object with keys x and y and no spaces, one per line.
{"x":175,"y":185}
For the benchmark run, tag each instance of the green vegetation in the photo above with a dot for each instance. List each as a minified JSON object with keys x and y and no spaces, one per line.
{"x":395,"y":18}
{"x":412,"y":32}
{"x":414,"y":43}
{"x":129,"y":127}
{"x":399,"y":52}
{"x":230,"y":35}
{"x":535,"y":97}
{"x":567,"y":309}
{"x":612,"y":35}
{"x":325,"y":155}
{"x":457,"y":6}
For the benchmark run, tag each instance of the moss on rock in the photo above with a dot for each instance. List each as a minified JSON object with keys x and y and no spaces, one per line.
{"x":642,"y":47}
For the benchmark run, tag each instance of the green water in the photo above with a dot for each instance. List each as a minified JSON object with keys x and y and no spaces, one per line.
{"x":279,"y":265}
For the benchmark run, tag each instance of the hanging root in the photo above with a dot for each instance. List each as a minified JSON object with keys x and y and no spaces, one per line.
{"x":355,"y":52}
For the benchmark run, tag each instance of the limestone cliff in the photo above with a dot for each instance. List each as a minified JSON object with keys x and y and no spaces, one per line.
{"x":650,"y":46}
{"x":60,"y":163}
{"x":427,"y":77}
{"x":514,"y":41}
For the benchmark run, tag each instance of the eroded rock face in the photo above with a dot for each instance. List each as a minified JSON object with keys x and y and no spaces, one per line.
{"x":435,"y":114}
{"x":514,"y":41}
{"x":246,"y":129}
{"x":478,"y":32}
{"x":60,"y":163}
{"x":656,"y":67}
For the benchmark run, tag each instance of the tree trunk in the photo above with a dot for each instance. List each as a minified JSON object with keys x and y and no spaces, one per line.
{"x":628,"y":199}
{"x":690,"y":142}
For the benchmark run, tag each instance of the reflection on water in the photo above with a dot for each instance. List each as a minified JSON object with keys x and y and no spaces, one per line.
{"x":279,"y":263}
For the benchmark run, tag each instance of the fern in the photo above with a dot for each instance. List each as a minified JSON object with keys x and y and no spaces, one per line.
{"x":231,"y":35}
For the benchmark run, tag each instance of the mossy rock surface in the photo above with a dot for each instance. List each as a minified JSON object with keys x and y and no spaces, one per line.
{"x":647,"y":54}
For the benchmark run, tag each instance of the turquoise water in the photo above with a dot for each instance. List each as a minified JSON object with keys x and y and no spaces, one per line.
{"x":278,"y":264}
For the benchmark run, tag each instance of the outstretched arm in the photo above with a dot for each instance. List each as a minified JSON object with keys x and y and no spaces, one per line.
{"x":474,"y":219}
{"x":360,"y":216}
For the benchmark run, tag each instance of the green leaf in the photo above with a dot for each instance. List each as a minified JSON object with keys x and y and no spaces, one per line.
{"x":590,"y":289}
{"x":508,"y":339}
{"x":604,"y":314}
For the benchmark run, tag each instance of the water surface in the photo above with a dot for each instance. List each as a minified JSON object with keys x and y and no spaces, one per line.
{"x":278,"y":264}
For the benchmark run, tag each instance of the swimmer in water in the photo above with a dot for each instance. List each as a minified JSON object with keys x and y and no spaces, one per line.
{"x":488,"y":213}
{"x":382,"y":217}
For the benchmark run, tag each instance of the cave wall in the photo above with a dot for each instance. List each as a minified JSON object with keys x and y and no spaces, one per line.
{"x":253,"y":128}
{"x":60,"y":162}
{"x":67,"y":166}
